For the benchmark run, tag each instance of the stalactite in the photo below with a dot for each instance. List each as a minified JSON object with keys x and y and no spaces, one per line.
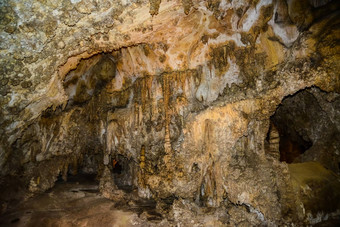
{"x":141,"y":177}
{"x":136,"y":115}
{"x":143,"y":93}
{"x":65,"y":171}
{"x":208,"y":190}
{"x":154,"y":7}
{"x":166,"y":97}
{"x":74,"y":166}
{"x":187,"y":4}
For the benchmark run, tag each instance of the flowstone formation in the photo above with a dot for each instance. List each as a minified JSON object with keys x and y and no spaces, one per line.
{"x":221,"y":113}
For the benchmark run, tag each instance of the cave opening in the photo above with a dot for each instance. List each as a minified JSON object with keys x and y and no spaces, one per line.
{"x":92,"y":97}
{"x":302,"y":128}
{"x":85,"y":169}
{"x":292,"y":146}
{"x":123,"y":173}
{"x":289,"y":123}
{"x":117,"y":168}
{"x":304,"y":135}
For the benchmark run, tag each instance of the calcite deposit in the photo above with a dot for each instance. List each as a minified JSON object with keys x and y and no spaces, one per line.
{"x":220,"y":112}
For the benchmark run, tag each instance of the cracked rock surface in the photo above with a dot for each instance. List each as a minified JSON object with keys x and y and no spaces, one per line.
{"x":221,"y":113}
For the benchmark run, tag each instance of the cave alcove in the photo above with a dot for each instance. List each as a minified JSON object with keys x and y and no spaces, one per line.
{"x":88,"y":105}
{"x":307,"y":129}
{"x":303,"y":133}
{"x":123,"y":173}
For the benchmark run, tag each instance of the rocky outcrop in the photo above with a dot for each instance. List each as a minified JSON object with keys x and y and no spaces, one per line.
{"x":179,"y":93}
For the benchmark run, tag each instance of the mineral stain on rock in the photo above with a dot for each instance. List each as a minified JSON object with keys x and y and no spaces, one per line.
{"x":154,"y":7}
{"x":168,"y":113}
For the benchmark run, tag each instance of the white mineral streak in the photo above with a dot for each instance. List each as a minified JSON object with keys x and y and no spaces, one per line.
{"x":212,"y":86}
{"x":253,"y":14}
{"x":285,"y":32}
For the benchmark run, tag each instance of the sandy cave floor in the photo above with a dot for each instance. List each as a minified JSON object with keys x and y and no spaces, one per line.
{"x":78,"y":202}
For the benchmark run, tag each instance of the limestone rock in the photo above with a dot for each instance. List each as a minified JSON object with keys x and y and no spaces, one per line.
{"x":192,"y":104}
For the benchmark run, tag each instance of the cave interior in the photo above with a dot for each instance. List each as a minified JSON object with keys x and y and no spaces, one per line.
{"x":177,"y":113}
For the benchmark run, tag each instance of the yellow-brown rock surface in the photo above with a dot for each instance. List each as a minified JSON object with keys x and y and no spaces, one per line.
{"x":180,"y":91}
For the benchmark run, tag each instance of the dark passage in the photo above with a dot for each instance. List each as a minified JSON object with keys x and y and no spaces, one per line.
{"x":308,"y":140}
{"x":306,"y":131}
{"x":123,"y":172}
{"x":291,"y":147}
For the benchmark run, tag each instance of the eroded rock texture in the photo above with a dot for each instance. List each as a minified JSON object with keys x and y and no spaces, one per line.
{"x":199,"y":105}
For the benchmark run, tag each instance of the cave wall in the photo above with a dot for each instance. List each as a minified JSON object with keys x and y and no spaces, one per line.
{"x":183,"y":89}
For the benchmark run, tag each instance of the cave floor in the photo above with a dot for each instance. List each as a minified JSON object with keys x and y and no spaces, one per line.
{"x":78,"y":202}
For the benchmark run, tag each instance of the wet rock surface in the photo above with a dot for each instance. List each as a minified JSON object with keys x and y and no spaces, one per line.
{"x":201,"y":108}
